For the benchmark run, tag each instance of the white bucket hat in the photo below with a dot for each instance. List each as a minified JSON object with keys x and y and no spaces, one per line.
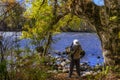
{"x":75,"y":42}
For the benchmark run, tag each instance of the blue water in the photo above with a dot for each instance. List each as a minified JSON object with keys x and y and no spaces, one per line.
{"x":89,"y":41}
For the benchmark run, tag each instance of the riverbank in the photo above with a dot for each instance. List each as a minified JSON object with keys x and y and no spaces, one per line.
{"x":63,"y":76}
{"x":87,"y":72}
{"x":63,"y":68}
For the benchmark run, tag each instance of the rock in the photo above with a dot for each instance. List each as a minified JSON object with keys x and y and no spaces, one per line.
{"x":65,"y":70}
{"x":64,"y":53}
{"x":63,"y":63}
{"x":62,"y":59}
{"x":52,"y":71}
{"x":87,"y":73}
{"x":60,"y":68}
{"x":98,"y":67}
{"x":83,"y":64}
{"x":59,"y":53}
{"x":59,"y":59}
{"x":55,"y":67}
{"x":67,"y":61}
{"x":98,"y":57}
{"x":85,"y":67}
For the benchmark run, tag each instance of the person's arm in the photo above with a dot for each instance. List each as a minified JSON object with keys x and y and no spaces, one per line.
{"x":82,"y":52}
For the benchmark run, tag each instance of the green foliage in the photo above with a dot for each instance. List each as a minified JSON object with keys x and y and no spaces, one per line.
{"x":38,"y":20}
{"x":29,"y":67}
{"x":41,"y":23}
{"x":101,"y":75}
{"x":38,"y":23}
{"x":70,"y":21}
{"x":13,"y":16}
{"x":3,"y":69}
{"x":113,"y":18}
{"x":2,"y":66}
{"x":22,"y":64}
{"x":105,"y":70}
{"x":41,"y":17}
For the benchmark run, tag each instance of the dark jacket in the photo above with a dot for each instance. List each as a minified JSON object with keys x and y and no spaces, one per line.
{"x":76,"y":51}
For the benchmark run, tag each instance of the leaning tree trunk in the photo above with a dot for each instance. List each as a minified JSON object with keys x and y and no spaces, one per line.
{"x":111,"y":47}
{"x":109,"y":34}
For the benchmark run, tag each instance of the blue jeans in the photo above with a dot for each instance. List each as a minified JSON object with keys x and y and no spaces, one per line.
{"x":75,"y":62}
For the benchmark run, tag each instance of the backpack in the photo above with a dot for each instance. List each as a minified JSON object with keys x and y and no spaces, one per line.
{"x":82,"y":54}
{"x":77,"y":52}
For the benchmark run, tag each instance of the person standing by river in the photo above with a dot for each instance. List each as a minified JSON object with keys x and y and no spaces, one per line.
{"x":75,"y":57}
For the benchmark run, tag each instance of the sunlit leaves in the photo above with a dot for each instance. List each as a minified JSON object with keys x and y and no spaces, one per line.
{"x":69,"y":20}
{"x":113,"y":18}
{"x":39,"y":17}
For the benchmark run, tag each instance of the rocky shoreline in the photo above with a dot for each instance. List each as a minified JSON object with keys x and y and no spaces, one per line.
{"x":61,"y":65}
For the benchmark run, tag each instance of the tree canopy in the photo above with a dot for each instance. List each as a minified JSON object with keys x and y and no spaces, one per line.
{"x":44,"y":18}
{"x":47,"y":16}
{"x":11,"y":17}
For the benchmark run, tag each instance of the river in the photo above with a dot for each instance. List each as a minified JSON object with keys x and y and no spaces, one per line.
{"x":89,"y":41}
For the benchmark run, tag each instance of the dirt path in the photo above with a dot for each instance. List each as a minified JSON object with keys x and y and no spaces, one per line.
{"x":63,"y":76}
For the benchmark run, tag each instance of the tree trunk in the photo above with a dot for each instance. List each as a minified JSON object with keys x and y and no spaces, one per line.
{"x":48,"y":43}
{"x":111,"y":46}
{"x":108,"y":31}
